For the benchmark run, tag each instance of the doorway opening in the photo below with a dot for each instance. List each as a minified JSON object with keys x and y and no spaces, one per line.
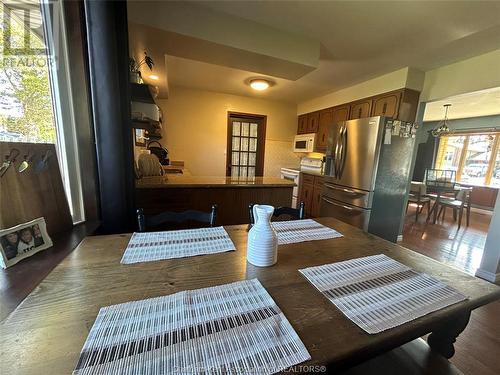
{"x":246,"y":135}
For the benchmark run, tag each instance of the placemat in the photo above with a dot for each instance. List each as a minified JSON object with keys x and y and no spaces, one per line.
{"x":232,"y":328}
{"x":378,"y":293}
{"x":147,"y":247}
{"x":293,"y":231}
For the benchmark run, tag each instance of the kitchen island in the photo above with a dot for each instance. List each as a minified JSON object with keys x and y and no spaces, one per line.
{"x":231,"y":194}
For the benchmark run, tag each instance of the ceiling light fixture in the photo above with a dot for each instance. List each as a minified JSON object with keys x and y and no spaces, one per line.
{"x":442,"y":127}
{"x":154,"y":77}
{"x":259,"y":84}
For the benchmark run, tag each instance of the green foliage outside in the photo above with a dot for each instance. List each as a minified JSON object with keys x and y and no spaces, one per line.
{"x":25,"y":97}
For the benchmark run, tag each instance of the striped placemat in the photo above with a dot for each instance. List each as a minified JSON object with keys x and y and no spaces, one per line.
{"x":378,"y":293}
{"x":302,"y":230}
{"x":234,"y":328}
{"x":151,"y":246}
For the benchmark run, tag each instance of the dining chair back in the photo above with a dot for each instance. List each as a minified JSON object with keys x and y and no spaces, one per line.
{"x":288,"y":213}
{"x":418,"y":196}
{"x":461,"y":203}
{"x":148,"y":222}
{"x":440,"y":178}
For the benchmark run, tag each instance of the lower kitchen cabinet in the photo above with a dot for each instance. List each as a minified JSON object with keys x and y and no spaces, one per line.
{"x":310,"y":190}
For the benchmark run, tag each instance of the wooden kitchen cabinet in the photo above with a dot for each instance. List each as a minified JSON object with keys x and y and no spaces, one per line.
{"x":316,"y":196}
{"x":312,"y":122}
{"x":310,"y":190}
{"x":306,"y":195}
{"x":302,"y":124}
{"x":386,"y":105}
{"x":360,"y":109}
{"x":341,"y":113}
{"x":398,"y":104}
{"x":325,"y":120}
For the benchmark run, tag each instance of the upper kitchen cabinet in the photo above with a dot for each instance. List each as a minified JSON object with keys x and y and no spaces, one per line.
{"x":341,"y":113}
{"x":302,"y":124}
{"x":326,"y":118}
{"x":386,"y":105}
{"x":408,"y":105}
{"x":399,"y":105}
{"x":313,"y":122}
{"x":360,"y":109}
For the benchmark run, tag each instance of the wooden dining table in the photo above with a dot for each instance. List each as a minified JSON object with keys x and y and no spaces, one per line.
{"x":46,"y":332}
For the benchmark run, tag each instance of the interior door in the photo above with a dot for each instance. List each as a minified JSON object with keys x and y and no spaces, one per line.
{"x":246,"y":136}
{"x":356,"y":152}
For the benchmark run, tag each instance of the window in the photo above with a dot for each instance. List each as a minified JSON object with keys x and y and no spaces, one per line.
{"x":35,"y":95}
{"x":475,"y":157}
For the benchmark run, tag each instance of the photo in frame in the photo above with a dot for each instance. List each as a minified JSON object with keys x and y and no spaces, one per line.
{"x":22,"y":241}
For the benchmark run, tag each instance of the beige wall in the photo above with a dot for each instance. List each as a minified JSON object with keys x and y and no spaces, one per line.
{"x":406,"y":77}
{"x":196,"y":129}
{"x":474,"y":74}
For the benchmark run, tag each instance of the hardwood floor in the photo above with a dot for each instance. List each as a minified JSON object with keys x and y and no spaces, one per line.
{"x":478,"y":347}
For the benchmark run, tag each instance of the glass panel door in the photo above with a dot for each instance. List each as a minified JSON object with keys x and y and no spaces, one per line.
{"x":246,"y":139}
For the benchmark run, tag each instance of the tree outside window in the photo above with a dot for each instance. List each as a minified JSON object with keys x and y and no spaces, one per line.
{"x":26,"y":113}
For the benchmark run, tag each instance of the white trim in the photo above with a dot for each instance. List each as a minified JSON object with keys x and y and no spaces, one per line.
{"x":62,"y":100}
{"x":487,"y":275}
{"x":400,"y":238}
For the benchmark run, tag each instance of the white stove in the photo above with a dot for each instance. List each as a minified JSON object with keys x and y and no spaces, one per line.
{"x":311,"y":165}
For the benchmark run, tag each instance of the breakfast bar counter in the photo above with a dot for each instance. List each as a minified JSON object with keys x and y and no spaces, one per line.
{"x":232,"y":195}
{"x":181,"y":181}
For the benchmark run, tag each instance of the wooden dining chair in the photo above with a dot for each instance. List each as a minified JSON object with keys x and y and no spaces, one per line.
{"x":461,"y":203}
{"x":147,"y":222}
{"x":290,"y":213}
{"x":418,"y":196}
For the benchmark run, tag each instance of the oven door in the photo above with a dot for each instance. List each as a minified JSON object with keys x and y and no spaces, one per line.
{"x":294,"y":178}
{"x":356,"y":216}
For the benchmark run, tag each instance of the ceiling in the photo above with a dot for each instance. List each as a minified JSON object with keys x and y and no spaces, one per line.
{"x":358,"y":40}
{"x":475,"y":104}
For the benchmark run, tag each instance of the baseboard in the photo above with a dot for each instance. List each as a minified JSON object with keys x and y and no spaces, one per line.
{"x":481,"y":211}
{"x":489,"y":276}
{"x":400,"y":238}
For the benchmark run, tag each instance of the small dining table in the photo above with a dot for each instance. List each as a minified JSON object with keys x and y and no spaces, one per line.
{"x":46,"y":332}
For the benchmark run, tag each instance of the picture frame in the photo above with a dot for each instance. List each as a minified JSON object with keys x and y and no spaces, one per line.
{"x":22,"y":241}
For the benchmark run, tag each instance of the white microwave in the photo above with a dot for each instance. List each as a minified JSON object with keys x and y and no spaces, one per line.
{"x":304,"y":142}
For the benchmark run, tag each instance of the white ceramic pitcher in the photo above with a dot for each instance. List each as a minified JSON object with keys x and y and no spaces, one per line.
{"x":262,"y":246}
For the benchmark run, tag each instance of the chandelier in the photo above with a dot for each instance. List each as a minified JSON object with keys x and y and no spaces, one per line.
{"x":442,"y":127}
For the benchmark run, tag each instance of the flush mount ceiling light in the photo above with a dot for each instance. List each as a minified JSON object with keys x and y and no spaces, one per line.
{"x":153,"y":77}
{"x":442,"y":127}
{"x":259,"y":84}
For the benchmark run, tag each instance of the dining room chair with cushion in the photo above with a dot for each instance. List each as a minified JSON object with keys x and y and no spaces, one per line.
{"x":418,"y":196}
{"x":149,"y":222}
{"x":282,"y":213}
{"x":461,"y":203}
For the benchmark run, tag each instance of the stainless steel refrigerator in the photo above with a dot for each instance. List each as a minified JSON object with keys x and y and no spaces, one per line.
{"x":366,"y":175}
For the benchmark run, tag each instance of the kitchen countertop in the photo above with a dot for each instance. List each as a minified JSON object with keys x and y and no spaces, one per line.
{"x":183,"y":181}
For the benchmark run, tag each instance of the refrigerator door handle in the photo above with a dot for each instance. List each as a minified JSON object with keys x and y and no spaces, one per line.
{"x":341,"y":205}
{"x":344,"y":151}
{"x":338,"y":152}
{"x":336,"y":156}
{"x":347,"y":191}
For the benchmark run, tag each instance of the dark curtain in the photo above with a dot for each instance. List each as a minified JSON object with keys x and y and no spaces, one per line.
{"x":107,"y":40}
